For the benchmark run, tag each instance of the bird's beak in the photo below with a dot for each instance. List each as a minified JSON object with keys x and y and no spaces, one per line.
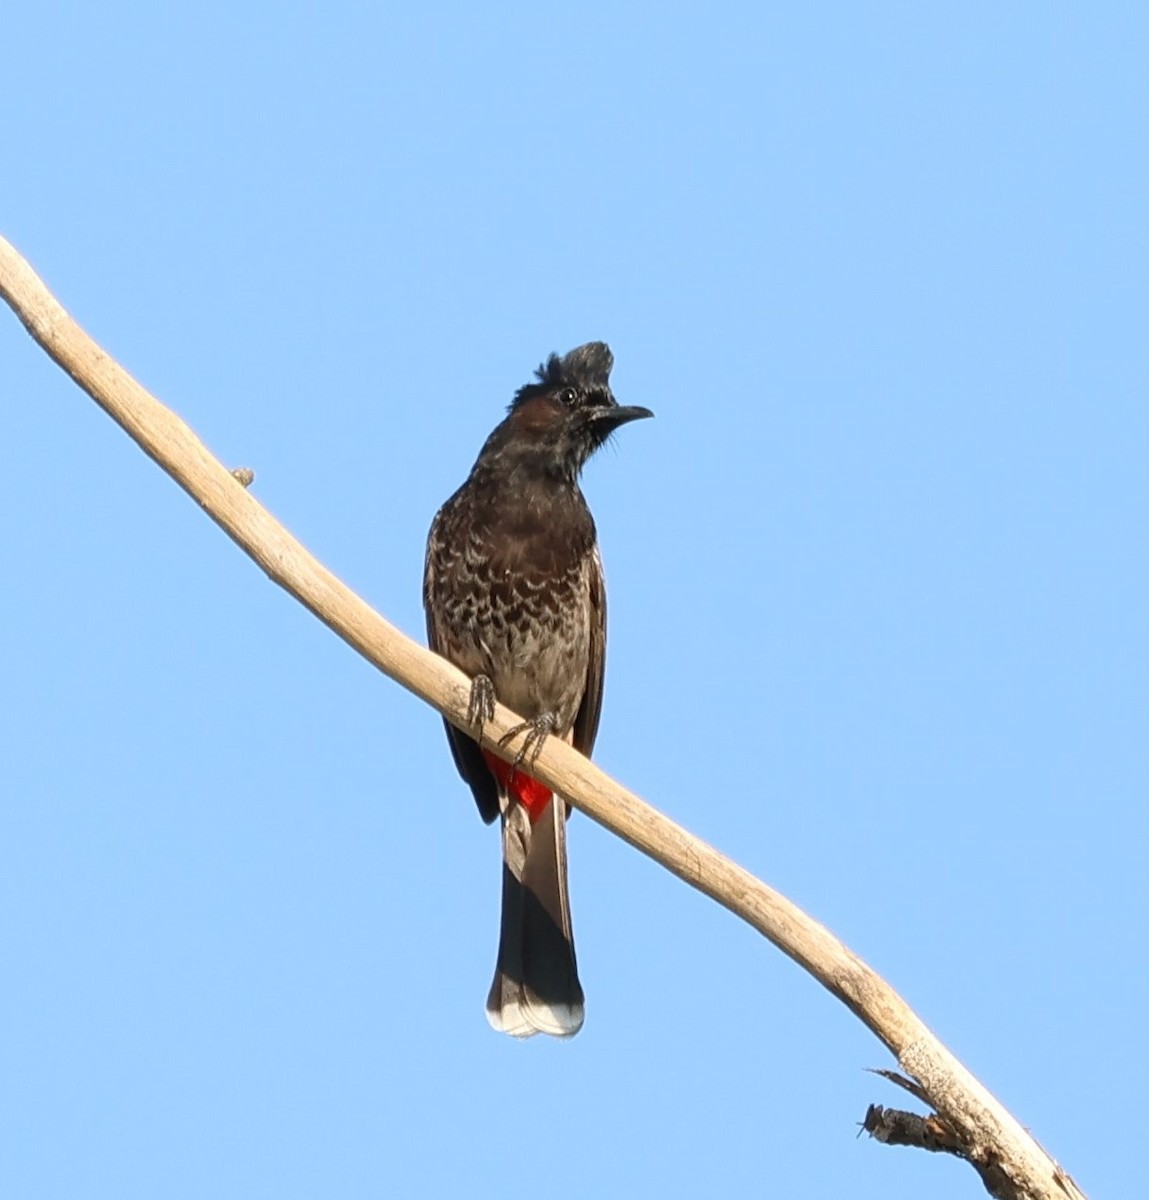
{"x":610,"y":417}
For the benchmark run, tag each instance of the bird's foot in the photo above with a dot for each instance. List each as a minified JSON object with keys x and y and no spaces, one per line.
{"x":481,"y":703}
{"x":536,"y":731}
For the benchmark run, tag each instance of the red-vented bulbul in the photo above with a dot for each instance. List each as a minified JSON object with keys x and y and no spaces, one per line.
{"x":514,"y":595}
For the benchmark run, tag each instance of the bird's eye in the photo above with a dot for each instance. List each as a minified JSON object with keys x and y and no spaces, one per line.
{"x":567,"y":395}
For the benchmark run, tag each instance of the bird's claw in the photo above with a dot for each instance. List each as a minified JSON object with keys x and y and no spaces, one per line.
{"x":536,"y":731}
{"x":481,"y":702}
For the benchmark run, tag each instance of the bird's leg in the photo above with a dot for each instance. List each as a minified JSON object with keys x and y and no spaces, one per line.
{"x":536,"y":731}
{"x":481,"y":703}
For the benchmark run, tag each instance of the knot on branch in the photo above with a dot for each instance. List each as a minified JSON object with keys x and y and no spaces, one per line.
{"x":895,"y":1127}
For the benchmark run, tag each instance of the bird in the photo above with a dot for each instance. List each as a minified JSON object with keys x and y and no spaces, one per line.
{"x":514,"y":596}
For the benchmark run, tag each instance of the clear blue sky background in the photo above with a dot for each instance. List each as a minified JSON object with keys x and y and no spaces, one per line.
{"x":878,"y":582}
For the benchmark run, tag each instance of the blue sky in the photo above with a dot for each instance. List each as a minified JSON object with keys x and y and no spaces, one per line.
{"x":878,"y":582}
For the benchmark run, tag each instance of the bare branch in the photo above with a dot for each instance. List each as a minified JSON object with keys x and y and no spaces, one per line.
{"x":988,"y":1134}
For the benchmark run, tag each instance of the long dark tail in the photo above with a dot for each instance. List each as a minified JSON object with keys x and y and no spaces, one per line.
{"x":536,"y":988}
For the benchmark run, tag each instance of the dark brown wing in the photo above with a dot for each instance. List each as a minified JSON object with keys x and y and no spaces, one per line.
{"x":464,"y":750}
{"x":586,"y":719}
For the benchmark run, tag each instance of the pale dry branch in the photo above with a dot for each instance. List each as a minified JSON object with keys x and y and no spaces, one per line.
{"x":988,"y":1134}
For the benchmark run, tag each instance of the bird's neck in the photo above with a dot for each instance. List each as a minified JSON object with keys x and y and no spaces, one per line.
{"x":540,"y":475}
{"x":528,"y":502}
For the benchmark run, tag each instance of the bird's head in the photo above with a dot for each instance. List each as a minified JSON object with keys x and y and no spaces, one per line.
{"x":558,"y":421}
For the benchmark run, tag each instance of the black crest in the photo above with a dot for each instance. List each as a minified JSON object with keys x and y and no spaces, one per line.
{"x":586,"y":369}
